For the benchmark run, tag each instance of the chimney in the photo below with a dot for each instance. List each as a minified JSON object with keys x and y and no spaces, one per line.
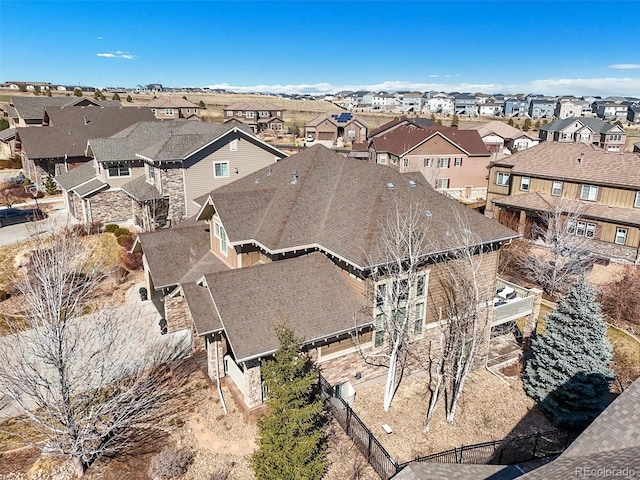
{"x":581,"y":157}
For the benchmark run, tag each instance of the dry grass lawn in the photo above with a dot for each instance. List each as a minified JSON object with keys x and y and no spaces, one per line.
{"x":490,"y":408}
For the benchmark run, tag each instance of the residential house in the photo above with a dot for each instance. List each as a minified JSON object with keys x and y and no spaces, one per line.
{"x":412,"y":102}
{"x":173,"y":107}
{"x":440,"y":103}
{"x":260,"y":117}
{"x":152,"y":171}
{"x":542,"y":108}
{"x":608,"y":110}
{"x":300,"y":243}
{"x":384,"y":101}
{"x":7,"y":143}
{"x":335,"y":129}
{"x":498,"y":135}
{"x":465,"y":104}
{"x":491,"y":109}
{"x":59,"y":145}
{"x":605,"y":185}
{"x":452,"y":160}
{"x":633,"y":114}
{"x":585,"y":130}
{"x":29,"y":111}
{"x":572,"y":107}
{"x":515,"y":107}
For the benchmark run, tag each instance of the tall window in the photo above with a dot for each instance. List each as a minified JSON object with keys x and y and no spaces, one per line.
{"x":221,"y":235}
{"x":221,"y":169}
{"x":621,"y":236}
{"x":556,"y":190}
{"x":637,"y":201}
{"x":442,"y":183}
{"x":420,"y":286}
{"x":383,"y":158}
{"x":524,"y":183}
{"x":233,"y":145}
{"x":379,"y":330}
{"x":418,"y":319}
{"x":502,"y":178}
{"x":589,"y":192}
{"x":381,"y":294}
{"x":427,"y":162}
{"x":457,"y":162}
{"x":405,"y":162}
{"x":443,"y":162}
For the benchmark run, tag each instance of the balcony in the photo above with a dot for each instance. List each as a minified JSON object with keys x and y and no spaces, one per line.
{"x":510,"y":302}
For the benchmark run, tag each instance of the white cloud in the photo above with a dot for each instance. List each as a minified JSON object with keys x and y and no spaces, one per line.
{"x":562,"y":86}
{"x":625,"y":66}
{"x":118,"y":54}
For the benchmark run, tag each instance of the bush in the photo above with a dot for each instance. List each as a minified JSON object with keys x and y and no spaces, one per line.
{"x":170,"y":463}
{"x":111,"y":228}
{"x":125,"y":241}
{"x":121,"y":232}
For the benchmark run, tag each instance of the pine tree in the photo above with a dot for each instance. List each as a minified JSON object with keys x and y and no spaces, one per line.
{"x":455,"y":120}
{"x":568,"y":373}
{"x":292,"y":442}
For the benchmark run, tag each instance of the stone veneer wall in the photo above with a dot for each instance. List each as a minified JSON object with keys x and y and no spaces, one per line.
{"x":172,"y":185}
{"x":110,"y":206}
{"x":177,"y":312}
{"x":253,"y":379}
{"x":76,"y":205}
{"x":215,"y":341}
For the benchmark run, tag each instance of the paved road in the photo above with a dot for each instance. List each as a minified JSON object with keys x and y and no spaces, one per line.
{"x":58,"y":216}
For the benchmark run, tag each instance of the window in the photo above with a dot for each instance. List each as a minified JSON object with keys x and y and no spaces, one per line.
{"x":381,"y":294}
{"x":168,"y":111}
{"x":250,"y":114}
{"x":589,"y":192}
{"x":239,"y":113}
{"x":394,"y":160}
{"x":233,"y":145}
{"x":351,"y":133}
{"x":591,"y":230}
{"x":221,"y":169}
{"x":502,"y":178}
{"x":621,"y":236}
{"x":382,"y":158}
{"x":442,"y":183}
{"x":418,"y":319}
{"x":615,"y":137}
{"x":457,"y":162}
{"x":637,"y":201}
{"x":613,"y":148}
{"x":420,"y":286}
{"x":405,"y":162}
{"x":427,"y":162}
{"x":153,"y":110}
{"x":229,"y":113}
{"x":556,"y":189}
{"x":524,"y":183}
{"x":443,"y":162}
{"x":223,"y":240}
{"x":566,"y":136}
{"x":118,"y":171}
{"x":581,"y":229}
{"x":152,"y":174}
{"x":379,"y":330}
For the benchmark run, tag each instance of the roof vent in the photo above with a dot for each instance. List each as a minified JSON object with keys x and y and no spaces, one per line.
{"x":269,"y":170}
{"x":447,"y":232}
{"x":412,"y":183}
{"x":428,"y":214}
{"x":86,"y":120}
{"x":294,"y":177}
{"x":390,"y":185}
{"x":257,"y":180}
{"x":581,"y":157}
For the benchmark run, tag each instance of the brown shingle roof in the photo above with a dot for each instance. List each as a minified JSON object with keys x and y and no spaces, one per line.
{"x":257,"y":106}
{"x":403,"y":139}
{"x":74,"y":126}
{"x":542,"y":202}
{"x":200,"y":304}
{"x":309,"y":292}
{"x":577,"y":162}
{"x":340,"y":204}
{"x":170,"y":102}
{"x":502,"y":130}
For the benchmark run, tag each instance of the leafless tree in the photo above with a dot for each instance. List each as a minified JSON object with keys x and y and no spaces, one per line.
{"x":565,"y":236}
{"x":89,"y":379}
{"x":462,"y":306}
{"x":399,"y":282}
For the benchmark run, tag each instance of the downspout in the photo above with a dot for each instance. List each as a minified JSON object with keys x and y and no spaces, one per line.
{"x":224,"y":406}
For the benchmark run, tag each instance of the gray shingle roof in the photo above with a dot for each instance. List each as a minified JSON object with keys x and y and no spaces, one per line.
{"x":32,"y":108}
{"x":309,"y":292}
{"x":90,"y":187}
{"x":72,"y":127}
{"x":340,"y":204}
{"x":7,"y":134}
{"x":140,"y":189}
{"x":594,"y":123}
{"x":448,"y":471}
{"x":76,"y":176}
{"x":200,"y":304}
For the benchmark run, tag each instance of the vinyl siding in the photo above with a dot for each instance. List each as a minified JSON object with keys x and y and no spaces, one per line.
{"x":116,"y":182}
{"x":199,"y":169}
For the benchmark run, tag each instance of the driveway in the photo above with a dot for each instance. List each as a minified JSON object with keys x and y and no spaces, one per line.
{"x":58,"y":216}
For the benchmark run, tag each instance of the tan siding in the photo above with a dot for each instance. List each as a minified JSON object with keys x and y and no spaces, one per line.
{"x":618,"y":197}
{"x":199,"y":172}
{"x":115,"y":182}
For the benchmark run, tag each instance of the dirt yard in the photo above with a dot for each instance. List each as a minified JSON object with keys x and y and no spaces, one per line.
{"x":491,"y":408}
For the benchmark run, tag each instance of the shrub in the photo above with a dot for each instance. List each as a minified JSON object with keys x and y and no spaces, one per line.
{"x":125,"y":241}
{"x":111,"y":228}
{"x":170,"y":463}
{"x":120,"y":232}
{"x":130,"y":261}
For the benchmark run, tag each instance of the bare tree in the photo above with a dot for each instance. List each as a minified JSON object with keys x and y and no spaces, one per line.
{"x":462,"y":306}
{"x":89,"y":379}
{"x":399,"y":284}
{"x":565,"y":236}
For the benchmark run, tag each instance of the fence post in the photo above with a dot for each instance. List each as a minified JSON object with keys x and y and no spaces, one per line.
{"x":348,"y":420}
{"x":369,"y":448}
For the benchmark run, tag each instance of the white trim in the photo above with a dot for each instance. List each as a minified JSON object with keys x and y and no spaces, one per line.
{"x":221,"y":162}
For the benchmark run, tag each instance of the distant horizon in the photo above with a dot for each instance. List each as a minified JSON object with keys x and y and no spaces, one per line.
{"x":322,"y":47}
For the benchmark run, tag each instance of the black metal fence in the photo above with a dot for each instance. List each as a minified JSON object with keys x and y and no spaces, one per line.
{"x":508,"y":451}
{"x":384,"y":465}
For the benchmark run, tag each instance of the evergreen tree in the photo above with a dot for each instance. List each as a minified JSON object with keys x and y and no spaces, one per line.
{"x":202,"y":104}
{"x":510,"y":122}
{"x":51,"y":186}
{"x":116,"y":97}
{"x":77,"y":92}
{"x":455,"y":120}
{"x":292,"y":442}
{"x":129,"y":98}
{"x":527,"y":125}
{"x":568,"y":373}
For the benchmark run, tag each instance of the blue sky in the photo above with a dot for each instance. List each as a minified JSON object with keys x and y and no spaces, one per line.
{"x":576,"y":47}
